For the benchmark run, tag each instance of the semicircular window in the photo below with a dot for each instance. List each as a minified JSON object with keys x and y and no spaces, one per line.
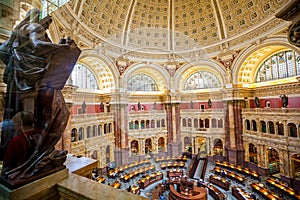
{"x":202,"y":80}
{"x":280,"y":65}
{"x":141,"y":82}
{"x":83,"y":77}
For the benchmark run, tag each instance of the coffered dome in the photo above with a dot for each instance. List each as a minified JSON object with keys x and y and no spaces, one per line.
{"x":164,"y":27}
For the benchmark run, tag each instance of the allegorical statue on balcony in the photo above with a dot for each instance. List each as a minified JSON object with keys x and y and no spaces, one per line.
{"x":36,"y":72}
{"x":257,"y":102}
{"x":284,"y":100}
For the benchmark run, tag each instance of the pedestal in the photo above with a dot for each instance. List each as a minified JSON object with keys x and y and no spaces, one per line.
{"x":35,"y":190}
{"x":174,"y":149}
{"x":121,"y":157}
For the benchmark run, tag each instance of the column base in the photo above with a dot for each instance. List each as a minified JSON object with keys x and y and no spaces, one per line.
{"x":121,"y":157}
{"x":174,"y":149}
{"x":235,"y":156}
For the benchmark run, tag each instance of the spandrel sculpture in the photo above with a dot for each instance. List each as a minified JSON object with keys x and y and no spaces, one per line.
{"x":36,"y":71}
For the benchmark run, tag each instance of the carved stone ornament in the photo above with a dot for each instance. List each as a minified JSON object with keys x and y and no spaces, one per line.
{"x":294,"y":34}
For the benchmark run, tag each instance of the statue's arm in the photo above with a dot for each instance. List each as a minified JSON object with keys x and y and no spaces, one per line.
{"x":38,"y":39}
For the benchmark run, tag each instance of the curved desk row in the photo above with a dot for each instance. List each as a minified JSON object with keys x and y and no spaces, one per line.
{"x":215,"y":192}
{"x":264,"y":191}
{"x":149,"y":179}
{"x":287,"y":190}
{"x":221,"y":182}
{"x":240,"y":194}
{"x":238,"y":169}
{"x":230,"y":174}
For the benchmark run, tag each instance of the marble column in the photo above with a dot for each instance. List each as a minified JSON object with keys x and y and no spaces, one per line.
{"x":233,"y":130}
{"x":119,"y":109}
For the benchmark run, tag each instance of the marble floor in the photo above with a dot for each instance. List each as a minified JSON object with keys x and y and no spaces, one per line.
{"x":209,"y":171}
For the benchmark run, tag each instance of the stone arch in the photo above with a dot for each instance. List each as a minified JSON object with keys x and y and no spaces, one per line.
{"x":100,"y":64}
{"x":245,"y":66}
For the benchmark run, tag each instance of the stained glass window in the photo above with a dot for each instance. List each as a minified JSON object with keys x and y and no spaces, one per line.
{"x":83,"y":77}
{"x":141,"y":82}
{"x":280,"y":65}
{"x":202,"y":80}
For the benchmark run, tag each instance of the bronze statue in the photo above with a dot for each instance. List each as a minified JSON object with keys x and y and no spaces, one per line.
{"x":36,"y":66}
{"x":257,"y":102}
{"x":209,"y":103}
{"x":284,"y":100}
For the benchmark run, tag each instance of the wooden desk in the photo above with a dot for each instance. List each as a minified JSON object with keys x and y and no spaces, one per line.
{"x":116,"y":184}
{"x":264,"y":191}
{"x":175,"y":173}
{"x":221,"y":182}
{"x":238,"y":169}
{"x":149,"y":179}
{"x":240,"y":194}
{"x":135,"y":189}
{"x":230,"y":174}
{"x":196,"y":193}
{"x":287,"y":190}
{"x":215,"y":192}
{"x":101,"y":179}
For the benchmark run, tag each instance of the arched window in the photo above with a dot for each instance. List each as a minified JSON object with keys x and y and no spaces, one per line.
{"x":88,"y":132}
{"x":110,"y":127}
{"x":94,"y":131}
{"x":202,"y":80}
{"x":163,"y":123}
{"x":271,"y":127}
{"x":83,"y":77}
{"x":292,"y":129}
{"x":147,"y":123}
{"x":152,"y":123}
{"x":189,"y":122}
{"x":220,"y":123}
{"x":247,"y":125}
{"x":201,"y":123}
{"x":280,"y":128}
{"x":254,"y":126}
{"x":99,"y":130}
{"x":158,"y":123}
{"x":252,"y":153}
{"x":161,"y":144}
{"x":280,"y":65}
{"x":73,"y":135}
{"x":263,"y":126}
{"x":81,"y":133}
{"x":136,"y":124}
{"x":141,"y":82}
{"x":184,"y":122}
{"x":142,"y":124}
{"x":134,"y":145}
{"x":206,"y":123}
{"x":195,"y":123}
{"x":105,"y":128}
{"x":131,"y":125}
{"x":214,"y":123}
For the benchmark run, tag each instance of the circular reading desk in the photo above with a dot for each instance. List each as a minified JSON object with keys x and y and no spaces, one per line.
{"x":186,"y":193}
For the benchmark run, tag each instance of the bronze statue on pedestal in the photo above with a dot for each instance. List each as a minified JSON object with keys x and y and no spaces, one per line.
{"x":38,"y":69}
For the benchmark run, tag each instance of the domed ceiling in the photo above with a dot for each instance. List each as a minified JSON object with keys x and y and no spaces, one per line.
{"x":168,"y":27}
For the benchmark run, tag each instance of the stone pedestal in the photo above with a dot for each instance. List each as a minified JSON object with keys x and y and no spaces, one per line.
{"x":82,"y":166}
{"x":121,"y":157}
{"x":174,"y":149}
{"x":44,"y":187}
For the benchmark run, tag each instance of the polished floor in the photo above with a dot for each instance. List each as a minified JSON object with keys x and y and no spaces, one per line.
{"x":147,"y":192}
